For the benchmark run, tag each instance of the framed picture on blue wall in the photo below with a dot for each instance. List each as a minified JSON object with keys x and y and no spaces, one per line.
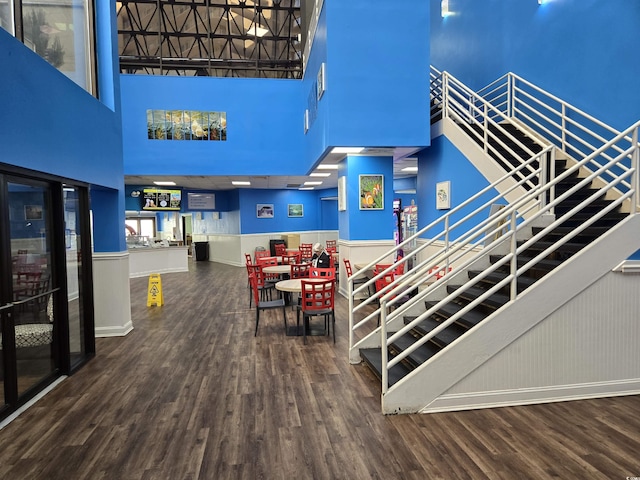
{"x":264,"y":210}
{"x":296,"y":210}
{"x":371,"y":192}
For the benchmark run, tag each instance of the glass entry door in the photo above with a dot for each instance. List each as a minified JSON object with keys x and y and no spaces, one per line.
{"x":28,"y":327}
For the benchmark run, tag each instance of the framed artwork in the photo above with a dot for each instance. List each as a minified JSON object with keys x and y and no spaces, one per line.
{"x":443,"y":195}
{"x":342,"y":193}
{"x":295,"y":210}
{"x":264,"y":210}
{"x":33,"y":212}
{"x":371,"y":192}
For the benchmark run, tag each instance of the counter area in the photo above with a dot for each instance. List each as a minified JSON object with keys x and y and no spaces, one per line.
{"x":148,"y":260}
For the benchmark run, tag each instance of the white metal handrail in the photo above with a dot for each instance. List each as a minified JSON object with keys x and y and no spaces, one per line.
{"x":615,"y":160}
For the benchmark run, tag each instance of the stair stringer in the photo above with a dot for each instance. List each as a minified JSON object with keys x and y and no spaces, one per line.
{"x":486,"y":165}
{"x":422,"y":387}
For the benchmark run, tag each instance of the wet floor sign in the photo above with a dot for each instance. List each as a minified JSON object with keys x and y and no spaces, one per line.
{"x":154,"y":296}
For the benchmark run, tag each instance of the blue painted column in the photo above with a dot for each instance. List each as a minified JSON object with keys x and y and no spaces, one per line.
{"x":358,"y":222}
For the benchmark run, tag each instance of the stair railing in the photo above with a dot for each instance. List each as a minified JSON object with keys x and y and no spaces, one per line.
{"x":628,"y":155}
{"x":558,"y":122}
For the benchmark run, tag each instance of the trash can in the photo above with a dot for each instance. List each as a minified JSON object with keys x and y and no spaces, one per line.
{"x":202,"y":250}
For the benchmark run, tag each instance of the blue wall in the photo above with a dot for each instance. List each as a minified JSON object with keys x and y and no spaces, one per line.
{"x":583,"y":51}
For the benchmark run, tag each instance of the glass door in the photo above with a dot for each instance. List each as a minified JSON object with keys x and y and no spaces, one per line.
{"x":28,"y":325}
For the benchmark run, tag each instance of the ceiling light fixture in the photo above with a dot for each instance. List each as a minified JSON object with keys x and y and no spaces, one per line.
{"x":328,"y":167}
{"x":167,"y":184}
{"x":312,"y":183}
{"x":410,"y":169}
{"x":347,"y":150}
{"x":306,"y":188}
{"x":238,"y":182}
{"x":320,"y":174}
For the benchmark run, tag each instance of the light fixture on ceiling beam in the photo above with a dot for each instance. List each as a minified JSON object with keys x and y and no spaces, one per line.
{"x":320,"y":174}
{"x":165,"y":184}
{"x":306,"y":188}
{"x":410,"y":169}
{"x":328,"y":167}
{"x":240,"y":182}
{"x":312,"y":183}
{"x":347,"y":150}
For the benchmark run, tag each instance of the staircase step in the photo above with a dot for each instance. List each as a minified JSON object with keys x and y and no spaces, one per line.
{"x":496,"y":277}
{"x":442,"y":339}
{"x":493,"y":302}
{"x":373,"y":358}
{"x":468,"y":320}
{"x":562,"y":253}
{"x":418,"y":356}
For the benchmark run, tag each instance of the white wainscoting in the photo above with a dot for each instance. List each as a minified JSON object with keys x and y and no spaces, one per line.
{"x":587,"y":348}
{"x":361,"y":251}
{"x":145,"y":261}
{"x":111,"y":295}
{"x":230,"y":249}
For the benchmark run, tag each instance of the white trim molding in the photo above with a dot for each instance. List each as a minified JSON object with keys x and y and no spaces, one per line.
{"x":111,"y":295}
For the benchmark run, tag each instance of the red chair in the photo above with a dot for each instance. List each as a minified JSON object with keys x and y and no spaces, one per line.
{"x":261,"y":254}
{"x":358,"y":281}
{"x":290,"y":258}
{"x":306,"y":252}
{"x":322,"y":272}
{"x":280,"y":249}
{"x":440,"y":272}
{"x":265,"y":288}
{"x":300,"y":270}
{"x":331,"y":244}
{"x":317,"y":300}
{"x":265,"y":304}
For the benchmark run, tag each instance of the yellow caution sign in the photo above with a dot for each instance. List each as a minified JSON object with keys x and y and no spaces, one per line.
{"x":154,"y":297}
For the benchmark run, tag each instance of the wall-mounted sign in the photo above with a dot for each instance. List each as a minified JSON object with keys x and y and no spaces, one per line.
{"x":201,"y":201}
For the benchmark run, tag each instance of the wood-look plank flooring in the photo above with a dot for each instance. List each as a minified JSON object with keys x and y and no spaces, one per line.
{"x":191,"y":394}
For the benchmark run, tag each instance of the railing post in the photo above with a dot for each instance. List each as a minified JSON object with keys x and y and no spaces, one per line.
{"x":510,"y":81}
{"x":446,"y":242}
{"x":383,"y":346}
{"x":635,"y":179}
{"x":564,"y":128}
{"x":542,"y":180}
{"x":351,"y":322}
{"x":445,"y":94}
{"x":552,"y":176}
{"x":514,"y":258}
{"x":485,"y":128}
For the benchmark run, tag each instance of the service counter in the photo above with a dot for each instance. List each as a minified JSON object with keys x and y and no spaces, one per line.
{"x":147,"y":260}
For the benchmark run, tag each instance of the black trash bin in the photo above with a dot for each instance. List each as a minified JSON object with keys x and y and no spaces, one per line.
{"x":202,"y":250}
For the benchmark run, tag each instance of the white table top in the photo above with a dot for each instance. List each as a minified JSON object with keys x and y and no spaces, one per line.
{"x":276,"y":269}
{"x":294,"y":285}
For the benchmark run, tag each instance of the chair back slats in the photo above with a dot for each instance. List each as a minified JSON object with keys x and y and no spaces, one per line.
{"x":300,"y":270}
{"x":306,"y":252}
{"x":317,"y":296}
{"x":280,"y":249}
{"x":261,"y":254}
{"x":331,"y":244}
{"x":290,"y":258}
{"x":322,"y":272}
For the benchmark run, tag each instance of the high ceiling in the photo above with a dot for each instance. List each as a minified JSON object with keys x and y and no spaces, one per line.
{"x":222,"y":38}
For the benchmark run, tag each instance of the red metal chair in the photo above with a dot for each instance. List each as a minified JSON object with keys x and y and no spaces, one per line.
{"x":290,"y":258}
{"x":264,"y":304}
{"x":331,"y":244}
{"x":317,"y":300}
{"x":306,"y":252}
{"x":357,"y":281}
{"x":280,"y":249}
{"x":322,"y":272}
{"x":261,"y":254}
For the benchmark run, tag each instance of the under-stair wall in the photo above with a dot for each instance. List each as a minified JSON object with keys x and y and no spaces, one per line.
{"x":559,"y":341}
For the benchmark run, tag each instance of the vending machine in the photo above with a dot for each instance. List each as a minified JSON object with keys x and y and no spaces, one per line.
{"x":409,"y":228}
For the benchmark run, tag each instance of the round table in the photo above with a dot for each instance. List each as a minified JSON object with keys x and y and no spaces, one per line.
{"x":294,"y":285}
{"x":279,"y":269}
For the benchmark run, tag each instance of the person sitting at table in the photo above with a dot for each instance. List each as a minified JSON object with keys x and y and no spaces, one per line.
{"x":320,"y":259}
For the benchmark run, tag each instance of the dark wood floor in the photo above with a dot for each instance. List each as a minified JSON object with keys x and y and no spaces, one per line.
{"x":191,"y":394}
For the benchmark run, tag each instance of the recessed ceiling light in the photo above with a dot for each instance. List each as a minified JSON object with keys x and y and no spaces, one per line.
{"x":328,"y":167}
{"x":312,"y":183}
{"x":165,"y":183}
{"x":410,"y":169}
{"x":320,"y":174}
{"x":347,"y":149}
{"x":238,"y":182}
{"x":306,"y":188}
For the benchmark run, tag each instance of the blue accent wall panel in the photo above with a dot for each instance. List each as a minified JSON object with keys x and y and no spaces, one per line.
{"x":377,"y":73}
{"x":50,"y":124}
{"x":264,"y":126}
{"x":438,"y":163}
{"x":583,"y":51}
